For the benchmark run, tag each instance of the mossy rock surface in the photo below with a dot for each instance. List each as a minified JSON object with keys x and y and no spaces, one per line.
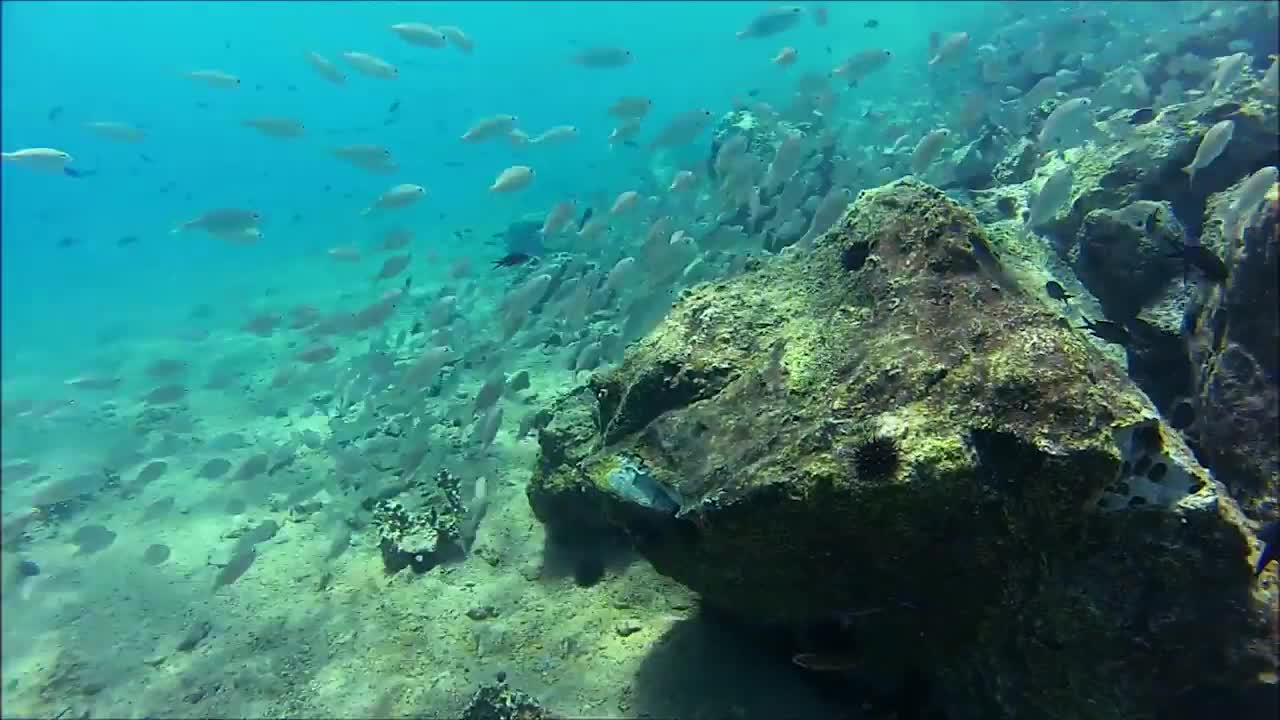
{"x":888,"y":423}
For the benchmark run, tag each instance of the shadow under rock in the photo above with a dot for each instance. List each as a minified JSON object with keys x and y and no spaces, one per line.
{"x":586,"y":562}
{"x":705,"y":669}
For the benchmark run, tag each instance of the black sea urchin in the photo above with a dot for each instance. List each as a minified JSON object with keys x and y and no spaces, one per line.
{"x":877,"y":458}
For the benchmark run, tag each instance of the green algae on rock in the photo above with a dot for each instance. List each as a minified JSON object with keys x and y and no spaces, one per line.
{"x":1021,"y":555}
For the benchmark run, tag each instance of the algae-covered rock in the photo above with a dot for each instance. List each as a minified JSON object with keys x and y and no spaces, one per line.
{"x":499,"y":701}
{"x":1146,"y":162}
{"x":888,"y":423}
{"x":1123,"y":256}
{"x":423,"y":528}
{"x":1234,"y":343}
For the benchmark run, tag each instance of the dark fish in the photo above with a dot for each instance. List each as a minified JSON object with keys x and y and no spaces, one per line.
{"x":631,"y":143}
{"x":1270,"y":537}
{"x":235,"y":568}
{"x":152,"y":472}
{"x":214,"y":469}
{"x":753,"y":92}
{"x":826,"y":662}
{"x":586,"y":215}
{"x":341,"y":542}
{"x":394,"y":106}
{"x":72,"y":172}
{"x":292,"y":88}
{"x":872,"y":24}
{"x":127,"y":240}
{"x":1142,"y":116}
{"x":1109,"y":331}
{"x":202,"y":105}
{"x":92,"y":538}
{"x":259,"y":87}
{"x":165,"y":395}
{"x":454,"y":163}
{"x":28,"y":568}
{"x":253,"y":467}
{"x":155,"y":554}
{"x":1222,"y":112}
{"x":145,"y":158}
{"x":68,"y":241}
{"x":1182,"y":416}
{"x":1203,"y":259}
{"x":391,"y":120}
{"x":194,"y":636}
{"x":512,"y":259}
{"x":157,"y":509}
{"x":1055,"y":291}
{"x":55,"y":113}
{"x":259,"y":534}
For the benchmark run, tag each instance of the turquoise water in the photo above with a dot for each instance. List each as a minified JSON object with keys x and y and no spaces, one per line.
{"x":122,"y":61}
{"x":77,"y":302}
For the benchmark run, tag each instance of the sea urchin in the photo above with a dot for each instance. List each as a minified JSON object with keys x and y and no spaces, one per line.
{"x":876,"y":458}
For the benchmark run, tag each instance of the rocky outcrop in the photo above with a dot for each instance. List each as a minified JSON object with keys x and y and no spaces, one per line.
{"x":1145,"y":162}
{"x":499,"y":701}
{"x":1234,"y":339}
{"x":422,"y":527}
{"x":888,"y":430}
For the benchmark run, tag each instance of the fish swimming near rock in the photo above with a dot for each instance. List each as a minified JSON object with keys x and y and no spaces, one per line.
{"x":1211,"y":146}
{"x":1240,"y":214}
{"x":1108,"y":331}
{"x":1053,"y":194}
{"x":1055,"y":291}
{"x":512,"y":260}
{"x":1270,"y":537}
{"x":1063,"y":116}
{"x":682,"y":129}
{"x":1195,"y":255}
{"x":927,"y":149}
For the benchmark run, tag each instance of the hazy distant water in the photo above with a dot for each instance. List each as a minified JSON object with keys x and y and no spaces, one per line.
{"x":122,"y":61}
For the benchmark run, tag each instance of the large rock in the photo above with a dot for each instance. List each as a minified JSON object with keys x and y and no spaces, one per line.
{"x":1234,"y":342}
{"x":888,"y":429}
